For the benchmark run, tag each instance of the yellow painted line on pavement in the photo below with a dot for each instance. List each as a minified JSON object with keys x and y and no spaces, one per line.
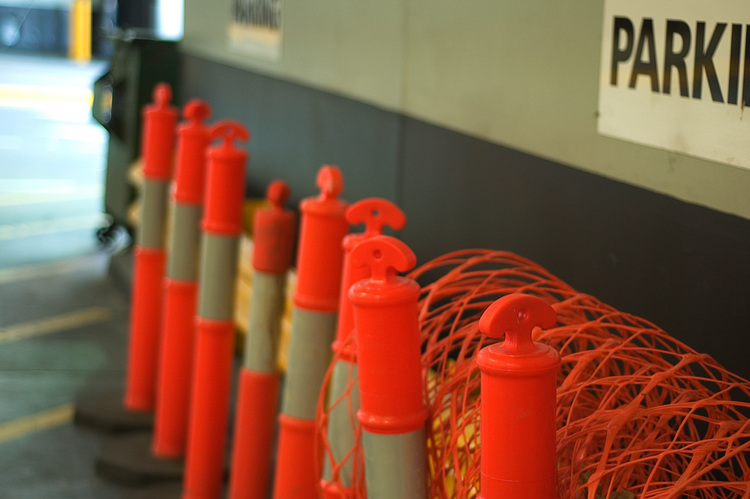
{"x":53,"y":226}
{"x":54,"y":324}
{"x":43,"y":420}
{"x":46,"y":92}
{"x":43,"y":271}
{"x":51,"y":195}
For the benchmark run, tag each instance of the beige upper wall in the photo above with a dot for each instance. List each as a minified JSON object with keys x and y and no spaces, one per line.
{"x":340,"y":46}
{"x":520,"y":74}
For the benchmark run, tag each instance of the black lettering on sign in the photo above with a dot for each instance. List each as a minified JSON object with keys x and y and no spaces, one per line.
{"x":734,"y":64}
{"x":704,"y":61}
{"x":637,"y":48}
{"x":622,"y":25}
{"x":674,"y":59}
{"x":641,"y":66}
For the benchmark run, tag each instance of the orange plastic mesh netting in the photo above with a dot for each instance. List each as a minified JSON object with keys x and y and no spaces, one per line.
{"x":639,"y":414}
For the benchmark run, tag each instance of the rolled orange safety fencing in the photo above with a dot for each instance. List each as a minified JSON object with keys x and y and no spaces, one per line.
{"x":638,"y":413}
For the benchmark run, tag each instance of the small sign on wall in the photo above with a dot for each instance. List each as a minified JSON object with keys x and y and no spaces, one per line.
{"x":255,"y":28}
{"x":675,"y":74}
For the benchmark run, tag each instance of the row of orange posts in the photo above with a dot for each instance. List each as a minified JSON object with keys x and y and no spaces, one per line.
{"x":181,"y":351}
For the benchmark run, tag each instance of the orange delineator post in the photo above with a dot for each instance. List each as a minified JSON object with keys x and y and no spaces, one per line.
{"x":519,"y":383}
{"x":255,"y":420}
{"x":181,"y":286}
{"x":392,"y":412}
{"x":319,"y":263}
{"x":212,"y":368}
{"x":159,"y":120}
{"x":375,"y":213}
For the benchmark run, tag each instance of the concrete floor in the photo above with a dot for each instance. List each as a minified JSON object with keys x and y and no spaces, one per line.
{"x":63,"y":323}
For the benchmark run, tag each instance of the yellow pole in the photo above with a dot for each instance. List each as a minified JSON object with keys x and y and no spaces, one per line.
{"x":79,"y":46}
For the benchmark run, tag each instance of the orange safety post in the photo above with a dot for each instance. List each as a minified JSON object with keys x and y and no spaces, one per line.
{"x":140,"y":457}
{"x":181,"y":285}
{"x":519,"y":383}
{"x":255,"y":420}
{"x":159,"y":121}
{"x":392,"y":412}
{"x":212,"y":367}
{"x":375,"y":213}
{"x":319,"y":263}
{"x":131,"y":408}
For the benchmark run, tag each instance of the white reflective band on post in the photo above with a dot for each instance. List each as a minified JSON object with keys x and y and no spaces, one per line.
{"x":342,"y":420}
{"x":185,"y":242}
{"x":395,"y":465}
{"x":309,"y":357}
{"x":266,"y":308}
{"x":217,"y":275}
{"x":154,"y":198}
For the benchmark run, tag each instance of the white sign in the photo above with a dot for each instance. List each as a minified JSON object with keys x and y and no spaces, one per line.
{"x":256,"y":28}
{"x":675,"y":74}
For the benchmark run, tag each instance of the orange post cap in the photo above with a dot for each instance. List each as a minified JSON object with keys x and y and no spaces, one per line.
{"x":320,"y":257}
{"x":274,"y":231}
{"x":194,"y":137}
{"x":225,"y":189}
{"x":387,"y":329}
{"x":515,"y":316}
{"x":375,"y":213}
{"x":158,"y":137}
{"x":386,"y":256}
{"x":518,"y":455}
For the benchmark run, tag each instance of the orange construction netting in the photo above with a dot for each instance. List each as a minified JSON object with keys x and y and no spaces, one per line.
{"x":639,"y":414}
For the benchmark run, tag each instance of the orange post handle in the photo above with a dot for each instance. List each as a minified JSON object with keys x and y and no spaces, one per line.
{"x":145,"y":323}
{"x":251,"y":456}
{"x":175,"y":368}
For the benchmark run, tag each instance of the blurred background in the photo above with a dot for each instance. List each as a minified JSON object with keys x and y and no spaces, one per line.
{"x":63,"y":324}
{"x":480,"y":123}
